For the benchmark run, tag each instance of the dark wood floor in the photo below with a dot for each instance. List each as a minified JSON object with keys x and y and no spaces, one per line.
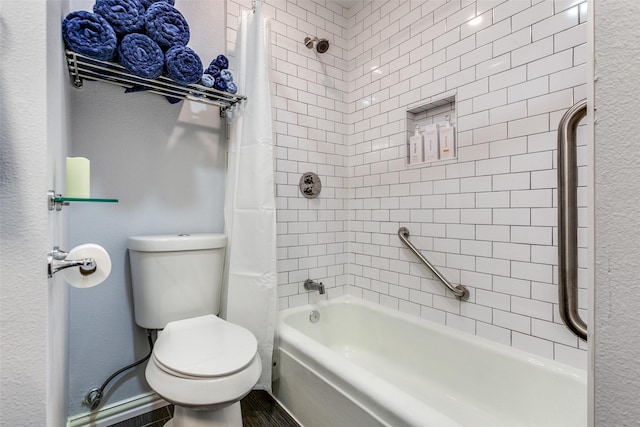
{"x":259,"y":409}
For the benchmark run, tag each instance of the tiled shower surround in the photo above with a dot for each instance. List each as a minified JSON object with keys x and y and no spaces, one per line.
{"x":487,"y":219}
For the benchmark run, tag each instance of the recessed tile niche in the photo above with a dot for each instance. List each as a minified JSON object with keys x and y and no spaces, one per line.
{"x":431,"y":117}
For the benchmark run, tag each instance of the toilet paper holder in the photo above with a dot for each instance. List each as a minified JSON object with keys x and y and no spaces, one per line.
{"x":57,"y":260}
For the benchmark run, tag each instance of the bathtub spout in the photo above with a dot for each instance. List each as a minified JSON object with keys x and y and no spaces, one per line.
{"x":310,"y":285}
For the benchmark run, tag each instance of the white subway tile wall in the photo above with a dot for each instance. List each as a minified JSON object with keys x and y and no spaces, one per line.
{"x":310,"y":110}
{"x":487,"y":220}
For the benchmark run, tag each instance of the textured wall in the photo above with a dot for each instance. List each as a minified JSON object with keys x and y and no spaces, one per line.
{"x":23,"y":215}
{"x":617,"y":224}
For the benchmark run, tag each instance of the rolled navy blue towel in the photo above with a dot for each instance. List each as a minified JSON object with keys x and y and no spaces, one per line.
{"x":141,"y":56}
{"x":89,"y":34}
{"x":221,"y":62}
{"x":183,"y":65}
{"x":231,"y":87}
{"x":220,"y":84}
{"x":125,"y":16}
{"x":148,"y":3}
{"x":207,"y":80}
{"x":226,"y":75}
{"x":166,"y":25}
{"x":213,"y":70}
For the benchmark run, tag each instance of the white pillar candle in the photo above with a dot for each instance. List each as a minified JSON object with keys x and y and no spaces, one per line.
{"x":78,"y":177}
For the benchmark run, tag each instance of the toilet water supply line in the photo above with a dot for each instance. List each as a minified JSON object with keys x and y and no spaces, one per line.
{"x":93,"y":398}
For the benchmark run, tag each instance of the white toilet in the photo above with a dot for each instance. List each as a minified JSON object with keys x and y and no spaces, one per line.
{"x":202,"y":364}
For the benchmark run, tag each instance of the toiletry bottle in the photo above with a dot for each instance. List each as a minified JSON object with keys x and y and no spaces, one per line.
{"x":431,"y":151}
{"x":416,"y":147}
{"x":447,"y":141}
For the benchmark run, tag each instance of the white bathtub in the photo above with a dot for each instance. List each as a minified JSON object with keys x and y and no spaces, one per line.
{"x":362,"y":364}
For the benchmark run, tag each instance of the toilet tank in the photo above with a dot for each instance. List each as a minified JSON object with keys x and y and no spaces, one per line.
{"x":175,"y":277}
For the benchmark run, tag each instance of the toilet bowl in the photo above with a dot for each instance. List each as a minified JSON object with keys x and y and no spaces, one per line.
{"x":204,"y":366}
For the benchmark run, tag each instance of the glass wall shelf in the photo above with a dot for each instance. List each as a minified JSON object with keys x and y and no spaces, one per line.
{"x":57,"y":201}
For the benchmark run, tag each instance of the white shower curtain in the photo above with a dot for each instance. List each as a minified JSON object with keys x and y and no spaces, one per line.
{"x":250,"y":210}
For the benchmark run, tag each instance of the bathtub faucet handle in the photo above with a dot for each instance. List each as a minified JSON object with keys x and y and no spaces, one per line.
{"x":310,"y":285}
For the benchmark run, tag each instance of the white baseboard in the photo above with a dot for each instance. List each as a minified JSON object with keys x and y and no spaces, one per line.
{"x":119,"y":411}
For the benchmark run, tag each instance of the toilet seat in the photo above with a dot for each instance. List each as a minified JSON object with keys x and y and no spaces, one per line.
{"x":203,"y":392}
{"x":204,"y":347}
{"x":204,"y":362}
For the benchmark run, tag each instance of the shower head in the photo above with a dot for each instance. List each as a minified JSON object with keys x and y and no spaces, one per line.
{"x":322,"y":45}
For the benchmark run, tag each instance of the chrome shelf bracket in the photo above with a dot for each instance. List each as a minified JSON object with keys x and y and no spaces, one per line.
{"x":54,"y":201}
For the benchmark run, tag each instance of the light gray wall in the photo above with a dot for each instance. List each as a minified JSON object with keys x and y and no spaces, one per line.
{"x":23,"y":214}
{"x":617,"y":223}
{"x":166,"y":165}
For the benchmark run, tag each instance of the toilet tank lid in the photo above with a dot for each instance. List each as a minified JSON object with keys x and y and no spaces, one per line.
{"x":177,"y":242}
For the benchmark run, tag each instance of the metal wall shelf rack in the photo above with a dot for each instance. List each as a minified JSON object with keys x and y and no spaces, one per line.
{"x":82,"y":67}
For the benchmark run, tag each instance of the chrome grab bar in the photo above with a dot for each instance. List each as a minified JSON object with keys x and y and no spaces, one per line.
{"x":459,"y":291}
{"x":568,"y":220}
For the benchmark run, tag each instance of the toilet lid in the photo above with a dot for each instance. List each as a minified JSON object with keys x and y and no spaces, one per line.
{"x":204,"y":346}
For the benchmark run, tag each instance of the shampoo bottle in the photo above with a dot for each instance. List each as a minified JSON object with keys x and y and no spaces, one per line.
{"x":447,"y":141}
{"x":431,"y":151}
{"x":416,"y":147}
